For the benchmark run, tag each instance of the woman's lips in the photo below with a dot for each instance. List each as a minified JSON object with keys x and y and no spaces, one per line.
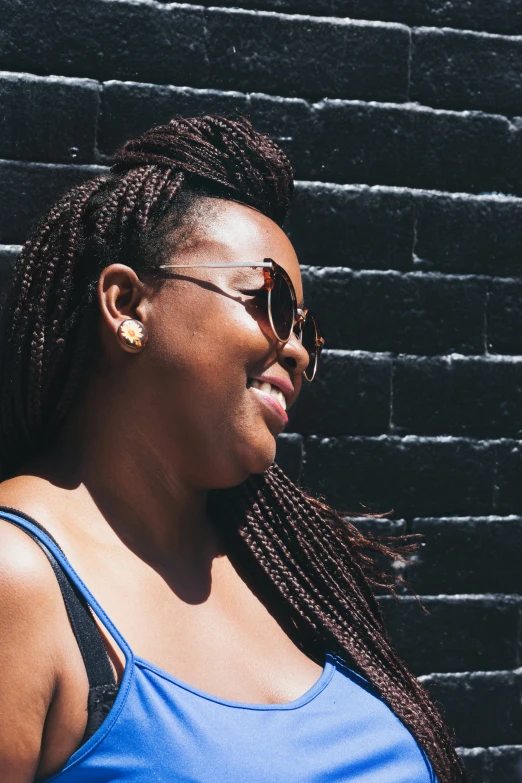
{"x":284,"y":384}
{"x":272,"y":403}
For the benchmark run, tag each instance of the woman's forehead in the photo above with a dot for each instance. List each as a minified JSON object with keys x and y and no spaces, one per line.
{"x":241,"y":227}
{"x":230,"y":232}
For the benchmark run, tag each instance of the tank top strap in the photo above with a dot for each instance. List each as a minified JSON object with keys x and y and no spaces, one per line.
{"x":73,"y":588}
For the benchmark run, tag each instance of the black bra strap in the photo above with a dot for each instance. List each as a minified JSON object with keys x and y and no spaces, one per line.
{"x":88,"y":635}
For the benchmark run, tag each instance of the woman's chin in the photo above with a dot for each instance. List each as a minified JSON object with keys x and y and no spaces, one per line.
{"x":248,"y":457}
{"x":257,"y":458}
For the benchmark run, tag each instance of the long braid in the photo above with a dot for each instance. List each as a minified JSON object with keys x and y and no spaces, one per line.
{"x":356,"y":634}
{"x":67,"y":251}
{"x":316,"y":567}
{"x":286,"y":490}
{"x":265,"y":496}
{"x":23,"y":273}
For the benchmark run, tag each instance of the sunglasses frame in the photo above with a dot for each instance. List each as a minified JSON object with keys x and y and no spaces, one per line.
{"x":270,"y":270}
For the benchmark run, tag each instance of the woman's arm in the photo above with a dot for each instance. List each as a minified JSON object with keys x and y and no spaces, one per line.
{"x":30,"y":613}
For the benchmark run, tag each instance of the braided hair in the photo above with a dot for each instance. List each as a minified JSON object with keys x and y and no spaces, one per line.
{"x":315,"y":568}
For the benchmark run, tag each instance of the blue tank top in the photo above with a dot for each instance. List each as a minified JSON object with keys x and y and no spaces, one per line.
{"x":162,"y":730}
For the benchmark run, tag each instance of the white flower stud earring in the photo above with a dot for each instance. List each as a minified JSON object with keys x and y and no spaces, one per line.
{"x":133,"y":334}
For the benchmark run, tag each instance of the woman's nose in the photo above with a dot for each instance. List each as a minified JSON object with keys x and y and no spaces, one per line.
{"x":293,"y":355}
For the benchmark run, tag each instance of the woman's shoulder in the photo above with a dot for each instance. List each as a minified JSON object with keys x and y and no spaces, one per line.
{"x":27,"y":580}
{"x":28,"y":586}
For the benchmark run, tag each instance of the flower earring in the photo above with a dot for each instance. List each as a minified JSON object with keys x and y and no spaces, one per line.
{"x":133,"y":334}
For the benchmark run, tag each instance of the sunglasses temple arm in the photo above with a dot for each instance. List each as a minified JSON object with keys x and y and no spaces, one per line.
{"x":214,"y":266}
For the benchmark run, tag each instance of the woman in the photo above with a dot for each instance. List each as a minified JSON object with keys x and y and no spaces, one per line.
{"x":155,"y":337}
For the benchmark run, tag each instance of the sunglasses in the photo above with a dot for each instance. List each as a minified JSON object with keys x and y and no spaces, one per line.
{"x":283,"y":313}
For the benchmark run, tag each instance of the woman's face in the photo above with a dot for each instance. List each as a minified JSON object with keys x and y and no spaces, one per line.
{"x":209,"y":337}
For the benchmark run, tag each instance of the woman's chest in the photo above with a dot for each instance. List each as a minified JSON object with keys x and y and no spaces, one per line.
{"x":338,"y":732}
{"x":220,"y":637}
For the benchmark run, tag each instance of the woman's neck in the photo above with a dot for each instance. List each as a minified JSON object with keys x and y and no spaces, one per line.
{"x":124,"y":488}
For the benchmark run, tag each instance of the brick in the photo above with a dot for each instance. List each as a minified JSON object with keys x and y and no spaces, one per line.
{"x":482,"y":707}
{"x":457,"y":396}
{"x":460,"y":633}
{"x":8,"y":255}
{"x":385,"y":311}
{"x":289,"y":455}
{"x":378,"y":144}
{"x":463,"y":233}
{"x":497,"y":16}
{"x":504,"y":764}
{"x":307,"y":57}
{"x":464,"y":70}
{"x":500,"y":16}
{"x":508,"y":497}
{"x":411,"y":475}
{"x":468,"y":555}
{"x":504,"y":317}
{"x":474,"y":761}
{"x":416,"y":147}
{"x":109,"y":40}
{"x":350,"y":395}
{"x":334,"y":225}
{"x":47,"y":119}
{"x":30,"y":189}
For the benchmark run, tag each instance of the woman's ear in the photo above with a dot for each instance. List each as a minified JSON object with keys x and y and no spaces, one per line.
{"x":121,"y":295}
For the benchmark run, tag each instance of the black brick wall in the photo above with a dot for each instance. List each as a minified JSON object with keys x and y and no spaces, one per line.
{"x":403,"y":121}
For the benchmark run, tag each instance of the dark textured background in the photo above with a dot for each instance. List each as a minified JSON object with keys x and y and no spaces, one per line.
{"x":404,"y":125}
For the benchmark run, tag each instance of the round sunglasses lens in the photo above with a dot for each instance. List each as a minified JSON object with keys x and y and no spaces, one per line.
{"x":282,"y":307}
{"x":309,"y":341}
